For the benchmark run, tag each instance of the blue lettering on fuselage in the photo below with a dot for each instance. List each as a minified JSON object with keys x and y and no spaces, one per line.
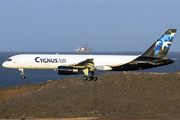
{"x":49,"y":60}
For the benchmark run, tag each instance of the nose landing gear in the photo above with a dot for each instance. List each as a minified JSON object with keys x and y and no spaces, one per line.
{"x":22,"y":73}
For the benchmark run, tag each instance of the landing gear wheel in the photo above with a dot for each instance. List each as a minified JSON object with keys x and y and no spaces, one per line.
{"x":90,"y":78}
{"x":23,"y":77}
{"x":94,"y":78}
{"x":85,"y":78}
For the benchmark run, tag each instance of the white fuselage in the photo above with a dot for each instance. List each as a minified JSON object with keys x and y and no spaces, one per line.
{"x":52,"y":61}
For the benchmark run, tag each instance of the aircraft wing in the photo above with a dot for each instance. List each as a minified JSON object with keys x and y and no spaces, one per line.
{"x":88,"y":63}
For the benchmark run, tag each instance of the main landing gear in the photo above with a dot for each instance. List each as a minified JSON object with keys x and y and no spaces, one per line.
{"x":22,"y":73}
{"x":90,"y":78}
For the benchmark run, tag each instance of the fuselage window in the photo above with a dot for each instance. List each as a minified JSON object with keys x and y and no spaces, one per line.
{"x":9,"y":60}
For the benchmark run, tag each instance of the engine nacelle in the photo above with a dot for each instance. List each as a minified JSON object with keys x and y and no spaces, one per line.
{"x":66,"y":70}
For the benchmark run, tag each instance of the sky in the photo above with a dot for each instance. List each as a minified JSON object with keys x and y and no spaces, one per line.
{"x":105,"y":25}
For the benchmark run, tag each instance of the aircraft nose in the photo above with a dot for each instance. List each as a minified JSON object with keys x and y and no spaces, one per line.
{"x":5,"y":64}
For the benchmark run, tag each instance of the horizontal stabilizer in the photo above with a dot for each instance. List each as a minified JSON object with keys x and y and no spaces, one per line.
{"x":161,"y":61}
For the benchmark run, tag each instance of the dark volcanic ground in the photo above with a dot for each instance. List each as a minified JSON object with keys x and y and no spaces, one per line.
{"x":113,"y":94}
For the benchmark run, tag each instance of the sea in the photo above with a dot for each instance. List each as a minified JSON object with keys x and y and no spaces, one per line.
{"x":12,"y":77}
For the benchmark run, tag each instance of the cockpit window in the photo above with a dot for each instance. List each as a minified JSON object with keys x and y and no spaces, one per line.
{"x":9,"y":60}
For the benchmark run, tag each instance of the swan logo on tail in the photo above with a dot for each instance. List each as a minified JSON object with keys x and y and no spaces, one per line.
{"x":164,"y":42}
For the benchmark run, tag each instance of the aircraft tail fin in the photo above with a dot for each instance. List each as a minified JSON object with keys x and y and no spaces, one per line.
{"x":160,"y":48}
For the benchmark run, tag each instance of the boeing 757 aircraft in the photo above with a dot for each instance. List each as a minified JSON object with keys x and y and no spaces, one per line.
{"x":84,"y":64}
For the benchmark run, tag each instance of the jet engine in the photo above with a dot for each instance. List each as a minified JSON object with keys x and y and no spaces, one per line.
{"x":66,"y":70}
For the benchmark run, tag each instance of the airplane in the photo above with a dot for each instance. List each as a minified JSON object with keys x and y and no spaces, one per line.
{"x":68,"y":64}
